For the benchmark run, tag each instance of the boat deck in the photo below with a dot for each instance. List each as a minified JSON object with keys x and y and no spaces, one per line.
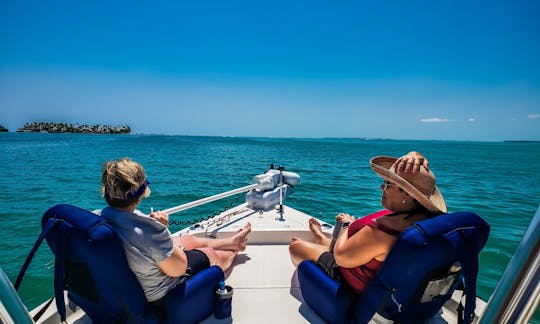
{"x":267,"y":291}
{"x":263,"y":277}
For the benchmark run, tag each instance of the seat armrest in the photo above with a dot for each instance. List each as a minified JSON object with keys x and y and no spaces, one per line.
{"x":193,"y":301}
{"x":327,"y":297}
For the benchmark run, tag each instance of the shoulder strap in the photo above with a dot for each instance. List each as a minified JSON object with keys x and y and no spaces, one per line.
{"x":468,"y":255}
{"x":59,"y":271}
{"x":383,"y":228}
{"x":40,"y":313}
{"x":48,"y":226}
{"x":51,"y":223}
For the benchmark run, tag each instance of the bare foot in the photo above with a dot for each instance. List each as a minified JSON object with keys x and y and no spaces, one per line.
{"x":240,"y":238}
{"x":294,"y":239}
{"x":316,"y":229}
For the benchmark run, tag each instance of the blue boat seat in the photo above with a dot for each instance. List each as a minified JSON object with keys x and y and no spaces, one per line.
{"x":90,"y":264}
{"x":429,"y":261}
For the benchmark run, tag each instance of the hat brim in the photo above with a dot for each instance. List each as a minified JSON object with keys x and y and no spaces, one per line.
{"x":434,"y":203}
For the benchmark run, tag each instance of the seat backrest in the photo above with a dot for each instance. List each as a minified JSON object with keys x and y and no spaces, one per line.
{"x":90,"y":264}
{"x":429,"y":260}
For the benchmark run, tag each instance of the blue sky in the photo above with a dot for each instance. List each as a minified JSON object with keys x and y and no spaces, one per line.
{"x":457,"y":70}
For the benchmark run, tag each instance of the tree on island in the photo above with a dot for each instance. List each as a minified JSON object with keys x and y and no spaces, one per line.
{"x":44,"y":127}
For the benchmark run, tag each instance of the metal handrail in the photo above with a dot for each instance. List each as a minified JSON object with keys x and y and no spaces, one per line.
{"x":211,"y":198}
{"x":12,"y":308}
{"x":517,"y":294}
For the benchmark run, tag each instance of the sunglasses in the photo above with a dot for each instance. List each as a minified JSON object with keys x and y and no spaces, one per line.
{"x":387,"y":184}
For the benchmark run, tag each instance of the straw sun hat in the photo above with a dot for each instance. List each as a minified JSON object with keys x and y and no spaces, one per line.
{"x":421,"y":185}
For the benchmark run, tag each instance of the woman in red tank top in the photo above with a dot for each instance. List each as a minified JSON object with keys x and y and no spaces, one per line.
{"x":409,"y":194}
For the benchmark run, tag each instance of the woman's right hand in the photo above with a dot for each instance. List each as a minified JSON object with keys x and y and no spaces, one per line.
{"x":161,"y":217}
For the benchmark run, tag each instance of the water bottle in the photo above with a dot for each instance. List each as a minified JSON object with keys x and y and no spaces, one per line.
{"x":223,"y":304}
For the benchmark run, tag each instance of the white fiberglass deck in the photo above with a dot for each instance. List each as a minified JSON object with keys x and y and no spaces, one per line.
{"x":263,"y":277}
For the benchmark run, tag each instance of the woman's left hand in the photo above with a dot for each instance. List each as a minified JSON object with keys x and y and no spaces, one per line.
{"x":411,"y":162}
{"x":345,"y":218}
{"x":161,"y":217}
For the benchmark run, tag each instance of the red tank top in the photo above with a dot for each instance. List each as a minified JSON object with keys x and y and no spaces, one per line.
{"x":359,"y":277}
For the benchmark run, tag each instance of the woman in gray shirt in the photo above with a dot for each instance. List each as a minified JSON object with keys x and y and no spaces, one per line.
{"x":158,"y":261}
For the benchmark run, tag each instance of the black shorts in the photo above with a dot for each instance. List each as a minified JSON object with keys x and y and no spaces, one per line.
{"x":196,"y":261}
{"x":328,"y":263}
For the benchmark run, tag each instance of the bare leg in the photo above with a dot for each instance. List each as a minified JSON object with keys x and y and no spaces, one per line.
{"x":316,"y":230}
{"x":301,"y":250}
{"x":220,"y":252}
{"x":221,"y":258}
{"x":225,"y":259}
{"x":235,"y":243}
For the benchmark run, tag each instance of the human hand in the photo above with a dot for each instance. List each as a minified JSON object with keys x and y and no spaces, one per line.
{"x":411,"y":162}
{"x":345,"y":218}
{"x":161,"y":217}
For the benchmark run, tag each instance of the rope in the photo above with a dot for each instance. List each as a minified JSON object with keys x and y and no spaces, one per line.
{"x":223,"y":219}
{"x":203,"y":218}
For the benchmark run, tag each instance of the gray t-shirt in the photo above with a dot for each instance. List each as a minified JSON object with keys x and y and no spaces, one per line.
{"x":146,"y":242}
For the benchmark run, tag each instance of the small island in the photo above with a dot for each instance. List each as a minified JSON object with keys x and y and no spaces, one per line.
{"x":3,"y":129}
{"x":44,"y":127}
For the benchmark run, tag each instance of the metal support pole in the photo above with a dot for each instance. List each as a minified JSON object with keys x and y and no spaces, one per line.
{"x":280,"y":209}
{"x":518,"y":292}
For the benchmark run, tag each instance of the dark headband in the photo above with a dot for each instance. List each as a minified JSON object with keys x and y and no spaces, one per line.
{"x":132,"y":194}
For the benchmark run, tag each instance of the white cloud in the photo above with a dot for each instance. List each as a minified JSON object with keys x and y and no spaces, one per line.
{"x":471,"y":120}
{"x":434,"y":120}
{"x":534,"y":116}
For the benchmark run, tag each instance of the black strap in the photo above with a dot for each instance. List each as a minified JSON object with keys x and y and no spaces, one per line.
{"x":468,"y":256}
{"x":59,"y":272}
{"x":51,"y":223}
{"x":460,"y":309}
{"x":382,"y":306}
{"x":42,"y":310}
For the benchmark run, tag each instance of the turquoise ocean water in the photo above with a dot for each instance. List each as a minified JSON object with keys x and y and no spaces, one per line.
{"x":497,"y":180}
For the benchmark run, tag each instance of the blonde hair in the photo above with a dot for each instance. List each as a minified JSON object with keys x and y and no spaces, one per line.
{"x":120,"y":180}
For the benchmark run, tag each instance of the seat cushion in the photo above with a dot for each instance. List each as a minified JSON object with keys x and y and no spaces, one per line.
{"x":193,"y":301}
{"x":328,"y":298}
